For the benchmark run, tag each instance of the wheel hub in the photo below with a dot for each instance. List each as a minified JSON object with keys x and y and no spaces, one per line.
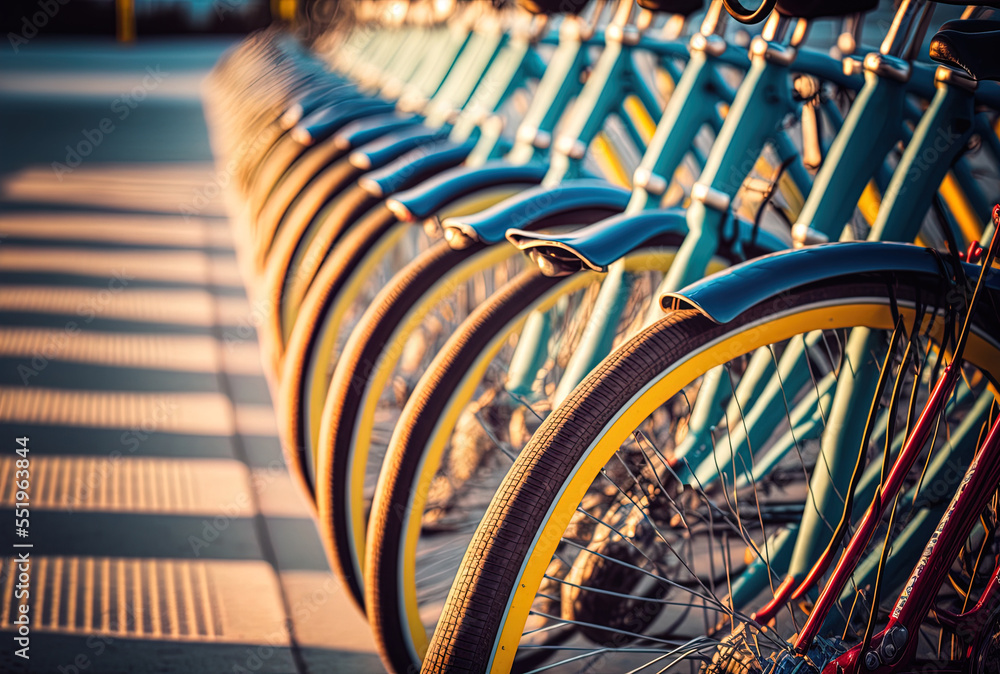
{"x":986,"y":649}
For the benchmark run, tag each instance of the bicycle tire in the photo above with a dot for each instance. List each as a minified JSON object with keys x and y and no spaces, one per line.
{"x":308,"y":336}
{"x":306,"y":204}
{"x":298,"y":252}
{"x":387,"y":574}
{"x":394,"y":305}
{"x":272,"y":200}
{"x":502,"y":569}
{"x":276,"y":161}
{"x":410,"y":462}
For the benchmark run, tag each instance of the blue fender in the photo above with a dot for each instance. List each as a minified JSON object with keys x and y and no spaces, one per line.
{"x":365,"y":129}
{"x":725,"y":295}
{"x":424,"y":200}
{"x":317,"y":97}
{"x":326,"y":121}
{"x":414,"y":166}
{"x":383,"y":150}
{"x":581,"y":200}
{"x":597,"y":246}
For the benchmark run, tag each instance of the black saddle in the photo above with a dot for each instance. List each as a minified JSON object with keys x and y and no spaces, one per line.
{"x":971,"y":45}
{"x":817,"y":9}
{"x":684,"y":7}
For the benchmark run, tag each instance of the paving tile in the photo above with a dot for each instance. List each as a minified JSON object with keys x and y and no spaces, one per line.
{"x":171,"y":599}
{"x":132,"y":485}
{"x":200,"y":413}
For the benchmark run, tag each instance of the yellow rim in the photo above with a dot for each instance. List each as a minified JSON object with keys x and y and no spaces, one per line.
{"x":329,"y":330}
{"x":644,"y":123}
{"x":746,"y":339}
{"x":478,"y":202}
{"x":961,"y":208}
{"x":653,"y":259}
{"x":610,"y":161}
{"x":379,"y":377}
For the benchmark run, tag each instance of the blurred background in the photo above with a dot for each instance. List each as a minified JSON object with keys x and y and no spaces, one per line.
{"x":128,"y":356}
{"x":152,"y":17}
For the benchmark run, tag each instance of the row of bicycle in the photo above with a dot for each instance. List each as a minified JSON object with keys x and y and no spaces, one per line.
{"x":552,"y":410}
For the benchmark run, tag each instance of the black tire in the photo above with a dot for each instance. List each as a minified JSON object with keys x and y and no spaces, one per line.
{"x":314,"y":237}
{"x":428,"y":403}
{"x":476,"y":607}
{"x":305,"y":205}
{"x":363,"y":348}
{"x":275,"y":162}
{"x":405,"y":458}
{"x":377,"y":326}
{"x":273,"y":194}
{"x":333,"y":275}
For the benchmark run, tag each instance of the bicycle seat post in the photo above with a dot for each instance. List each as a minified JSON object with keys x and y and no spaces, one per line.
{"x":714,"y":22}
{"x":616,"y":30}
{"x":896,"y":39}
{"x":918,"y":35}
{"x":850,"y":35}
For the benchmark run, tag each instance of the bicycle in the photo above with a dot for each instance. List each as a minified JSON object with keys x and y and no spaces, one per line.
{"x":544,"y":557}
{"x":344,"y":281}
{"x":407,"y":497}
{"x":379,"y":334}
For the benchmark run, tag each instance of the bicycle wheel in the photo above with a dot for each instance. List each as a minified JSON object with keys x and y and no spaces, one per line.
{"x":345,"y":285}
{"x":328,"y":312}
{"x":407,"y":324}
{"x":272,"y":201}
{"x":299,"y":250}
{"x":463,"y":424}
{"x":593,"y":532}
{"x":331,"y":183}
{"x":471,"y":413}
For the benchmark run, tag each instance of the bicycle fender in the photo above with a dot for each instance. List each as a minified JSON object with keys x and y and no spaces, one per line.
{"x":424,"y":200}
{"x":326,"y":121}
{"x":723,"y":296}
{"x":597,"y":246}
{"x":381,"y":151}
{"x":414,"y":166}
{"x":318,"y":97}
{"x":538,"y":207}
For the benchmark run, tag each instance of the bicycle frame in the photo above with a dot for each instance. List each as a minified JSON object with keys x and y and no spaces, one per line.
{"x":893,"y":644}
{"x":898,"y":219}
{"x":761,"y":103}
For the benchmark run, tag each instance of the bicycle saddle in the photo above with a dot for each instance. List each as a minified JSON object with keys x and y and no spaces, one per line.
{"x":553,"y":6}
{"x":815,"y":9}
{"x":682,"y":7}
{"x":969,"y":46}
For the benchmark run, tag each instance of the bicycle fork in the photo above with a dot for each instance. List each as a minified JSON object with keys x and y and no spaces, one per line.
{"x":895,"y":645}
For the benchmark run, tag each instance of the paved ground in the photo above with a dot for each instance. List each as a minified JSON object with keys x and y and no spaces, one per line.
{"x":166,"y":534}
